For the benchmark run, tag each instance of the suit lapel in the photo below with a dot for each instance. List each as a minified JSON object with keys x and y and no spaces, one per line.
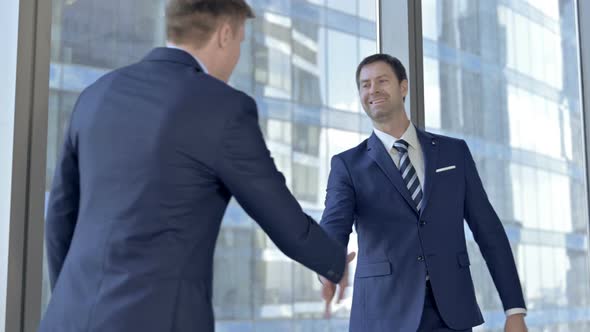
{"x":377,"y":152}
{"x":430,"y":150}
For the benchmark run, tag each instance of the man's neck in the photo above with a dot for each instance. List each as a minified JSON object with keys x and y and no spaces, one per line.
{"x":203,"y":56}
{"x":396,"y":125}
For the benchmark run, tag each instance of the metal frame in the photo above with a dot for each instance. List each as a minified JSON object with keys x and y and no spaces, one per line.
{"x":583,"y":25}
{"x":25,"y":248}
{"x":416,"y":74}
{"x":378,"y":24}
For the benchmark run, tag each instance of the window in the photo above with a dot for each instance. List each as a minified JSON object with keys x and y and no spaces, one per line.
{"x":293,"y":65}
{"x":522,"y":122}
{"x":9,"y":15}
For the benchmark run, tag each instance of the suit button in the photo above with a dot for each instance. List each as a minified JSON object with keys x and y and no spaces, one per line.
{"x":420,"y":258}
{"x":423,"y":223}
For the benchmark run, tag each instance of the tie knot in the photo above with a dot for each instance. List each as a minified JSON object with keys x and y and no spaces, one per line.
{"x":401,"y":146}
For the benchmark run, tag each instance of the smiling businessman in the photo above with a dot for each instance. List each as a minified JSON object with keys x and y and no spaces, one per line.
{"x":408,"y":192}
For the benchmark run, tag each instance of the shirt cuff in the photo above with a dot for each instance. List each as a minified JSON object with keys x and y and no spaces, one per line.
{"x":515,"y":311}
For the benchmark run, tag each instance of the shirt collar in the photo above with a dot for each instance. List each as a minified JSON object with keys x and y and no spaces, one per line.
{"x":409,"y":136}
{"x":202,"y":65}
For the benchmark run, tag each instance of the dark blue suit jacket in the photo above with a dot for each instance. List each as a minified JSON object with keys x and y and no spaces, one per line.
{"x":153,"y":154}
{"x":398,"y":245}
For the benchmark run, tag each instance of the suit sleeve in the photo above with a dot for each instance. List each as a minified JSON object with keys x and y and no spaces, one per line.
{"x":491,"y":237}
{"x":247,"y":170}
{"x":62,"y":208}
{"x":338,"y":216}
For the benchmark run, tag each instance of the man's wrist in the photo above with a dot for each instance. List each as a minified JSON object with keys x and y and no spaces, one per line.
{"x":516,"y":311}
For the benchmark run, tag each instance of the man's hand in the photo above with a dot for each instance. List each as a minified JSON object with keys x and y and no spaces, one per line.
{"x":515,"y":323}
{"x":329,"y":288}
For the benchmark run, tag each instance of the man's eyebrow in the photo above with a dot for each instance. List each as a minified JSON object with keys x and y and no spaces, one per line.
{"x":368,"y":79}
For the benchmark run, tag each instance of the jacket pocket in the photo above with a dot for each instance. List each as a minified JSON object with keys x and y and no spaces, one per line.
{"x":373,"y":270}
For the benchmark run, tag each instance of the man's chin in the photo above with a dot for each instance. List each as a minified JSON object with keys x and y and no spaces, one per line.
{"x":379,"y":113}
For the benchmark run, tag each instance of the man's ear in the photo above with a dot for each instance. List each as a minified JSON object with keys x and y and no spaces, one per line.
{"x":404,"y":87}
{"x":224,"y":34}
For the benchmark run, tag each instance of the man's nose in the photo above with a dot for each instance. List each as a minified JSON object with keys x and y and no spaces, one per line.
{"x":374,"y":89}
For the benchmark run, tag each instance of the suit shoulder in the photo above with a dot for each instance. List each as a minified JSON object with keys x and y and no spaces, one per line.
{"x":452,"y":143}
{"x":228,"y":95}
{"x":448,"y":139}
{"x":107,"y":78}
{"x":224,"y":88}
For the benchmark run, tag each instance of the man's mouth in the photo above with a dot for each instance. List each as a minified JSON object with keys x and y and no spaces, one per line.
{"x":377,"y":101}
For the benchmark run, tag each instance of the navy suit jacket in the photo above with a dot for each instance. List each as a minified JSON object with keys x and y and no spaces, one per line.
{"x":398,"y":245}
{"x":152,"y":156}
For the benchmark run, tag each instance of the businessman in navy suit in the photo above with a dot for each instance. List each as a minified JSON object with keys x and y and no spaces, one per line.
{"x":407,"y":192}
{"x":153,"y":154}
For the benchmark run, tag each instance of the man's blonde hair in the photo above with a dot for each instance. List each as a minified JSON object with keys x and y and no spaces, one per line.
{"x":194,"y":21}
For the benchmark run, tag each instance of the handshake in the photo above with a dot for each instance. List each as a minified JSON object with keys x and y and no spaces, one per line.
{"x":329,"y":288}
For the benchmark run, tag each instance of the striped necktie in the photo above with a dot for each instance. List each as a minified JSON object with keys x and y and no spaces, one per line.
{"x":409,"y":173}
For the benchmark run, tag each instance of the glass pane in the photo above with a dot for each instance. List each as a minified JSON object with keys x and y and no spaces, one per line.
{"x":88,"y":39}
{"x":347,"y":6}
{"x":306,"y":97}
{"x":9,"y":35}
{"x":504,"y":76}
{"x":341,"y":71}
{"x":368,"y":9}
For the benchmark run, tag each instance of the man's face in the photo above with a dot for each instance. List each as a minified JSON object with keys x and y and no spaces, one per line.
{"x":380,"y":91}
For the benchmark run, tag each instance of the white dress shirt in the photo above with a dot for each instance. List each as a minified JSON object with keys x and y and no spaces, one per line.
{"x":414,"y":150}
{"x":170,"y":45}
{"x":417,"y":159}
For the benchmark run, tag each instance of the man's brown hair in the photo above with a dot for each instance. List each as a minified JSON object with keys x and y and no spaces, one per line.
{"x":195,"y":21}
